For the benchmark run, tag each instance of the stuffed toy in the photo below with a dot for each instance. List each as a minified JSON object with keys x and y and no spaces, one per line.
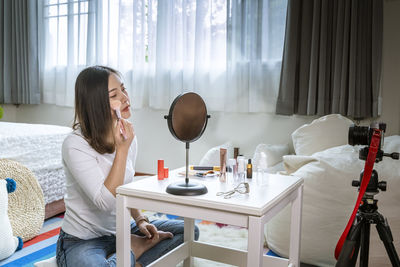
{"x":8,"y":243}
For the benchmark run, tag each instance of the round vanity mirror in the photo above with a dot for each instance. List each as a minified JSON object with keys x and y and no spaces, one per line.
{"x":187,"y":120}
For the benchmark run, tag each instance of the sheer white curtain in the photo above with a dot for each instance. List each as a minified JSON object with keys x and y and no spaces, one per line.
{"x":254,"y":54}
{"x":67,"y":40}
{"x":228,"y":51}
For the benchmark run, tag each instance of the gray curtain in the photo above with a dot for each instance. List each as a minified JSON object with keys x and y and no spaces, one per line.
{"x":332,"y":58}
{"x":19,"y":62}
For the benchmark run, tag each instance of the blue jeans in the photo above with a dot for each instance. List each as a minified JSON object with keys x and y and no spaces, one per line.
{"x":100,"y":251}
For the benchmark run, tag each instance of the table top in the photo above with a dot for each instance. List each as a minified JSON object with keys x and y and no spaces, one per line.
{"x":262,"y":196}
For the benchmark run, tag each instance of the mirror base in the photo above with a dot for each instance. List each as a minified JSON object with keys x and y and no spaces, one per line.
{"x":186,"y":189}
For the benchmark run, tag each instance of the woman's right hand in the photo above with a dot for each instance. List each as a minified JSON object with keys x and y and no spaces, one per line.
{"x":120,"y":141}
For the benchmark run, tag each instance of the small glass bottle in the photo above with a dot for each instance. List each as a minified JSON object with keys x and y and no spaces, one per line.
{"x":249,"y":170}
{"x":262,"y":166}
{"x":241,"y":163}
{"x":231,"y":171}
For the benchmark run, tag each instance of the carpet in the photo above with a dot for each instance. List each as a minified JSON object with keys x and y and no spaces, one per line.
{"x":44,"y":245}
{"x":39,"y":248}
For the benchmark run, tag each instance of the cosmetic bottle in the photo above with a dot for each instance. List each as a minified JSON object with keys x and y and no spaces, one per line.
{"x":235,"y":152}
{"x":249,"y":170}
{"x":231,"y":171}
{"x":160,"y":169}
{"x":222,"y":154}
{"x":262,"y":175}
{"x":241,"y":163}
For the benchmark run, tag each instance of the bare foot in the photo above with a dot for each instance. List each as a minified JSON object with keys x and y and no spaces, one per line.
{"x":140,"y":244}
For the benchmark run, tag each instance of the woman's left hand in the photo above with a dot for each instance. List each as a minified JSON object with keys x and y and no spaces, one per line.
{"x":148,"y":229}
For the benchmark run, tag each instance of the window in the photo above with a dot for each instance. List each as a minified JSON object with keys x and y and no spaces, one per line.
{"x":228,"y":51}
{"x":66,"y":27}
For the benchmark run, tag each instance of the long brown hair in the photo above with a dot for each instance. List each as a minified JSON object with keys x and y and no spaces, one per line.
{"x":92,"y":107}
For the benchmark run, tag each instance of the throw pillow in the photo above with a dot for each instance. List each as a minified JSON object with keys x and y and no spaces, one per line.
{"x":212,"y":158}
{"x":274,"y":154}
{"x":8,"y":243}
{"x":323,"y":133}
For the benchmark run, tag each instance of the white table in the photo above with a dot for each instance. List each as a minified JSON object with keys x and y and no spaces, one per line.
{"x":251,"y":210}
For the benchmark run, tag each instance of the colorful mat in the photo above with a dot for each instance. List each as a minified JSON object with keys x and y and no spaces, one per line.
{"x":44,"y":245}
{"x":39,"y":248}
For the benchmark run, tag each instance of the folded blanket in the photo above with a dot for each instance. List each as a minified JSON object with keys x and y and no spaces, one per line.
{"x":293,"y":162}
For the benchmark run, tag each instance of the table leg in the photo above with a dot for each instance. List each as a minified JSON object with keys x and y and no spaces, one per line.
{"x":123,"y":233}
{"x":255,"y":242}
{"x":188,"y":236}
{"x":295,"y":228}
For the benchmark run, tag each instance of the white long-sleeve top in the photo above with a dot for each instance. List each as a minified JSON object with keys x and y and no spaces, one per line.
{"x":90,"y":206}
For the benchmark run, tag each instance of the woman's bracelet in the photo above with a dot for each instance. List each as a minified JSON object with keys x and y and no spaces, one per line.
{"x":141,"y":218}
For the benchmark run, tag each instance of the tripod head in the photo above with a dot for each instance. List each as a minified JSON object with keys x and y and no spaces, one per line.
{"x":379,"y":156}
{"x":361,"y":135}
{"x":373,"y":185}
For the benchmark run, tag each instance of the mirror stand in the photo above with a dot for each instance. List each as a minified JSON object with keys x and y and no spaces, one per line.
{"x":186,"y":188}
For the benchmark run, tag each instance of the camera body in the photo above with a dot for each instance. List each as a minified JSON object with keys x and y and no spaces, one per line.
{"x":362,"y":135}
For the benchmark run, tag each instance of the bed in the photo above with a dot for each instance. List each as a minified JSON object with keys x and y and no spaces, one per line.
{"x":38,"y":147}
{"x":328,"y":165}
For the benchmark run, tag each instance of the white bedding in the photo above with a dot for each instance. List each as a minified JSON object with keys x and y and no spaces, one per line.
{"x":329,"y":199}
{"x":38,"y":147}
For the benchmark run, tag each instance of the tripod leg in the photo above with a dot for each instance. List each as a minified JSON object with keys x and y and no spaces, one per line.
{"x":386,"y":236}
{"x":349,"y":253}
{"x":365,"y":233}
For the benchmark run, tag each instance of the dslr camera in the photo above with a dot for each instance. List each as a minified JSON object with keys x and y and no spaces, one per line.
{"x":361,"y":135}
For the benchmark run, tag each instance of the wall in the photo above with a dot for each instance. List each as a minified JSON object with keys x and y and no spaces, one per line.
{"x":10,"y":113}
{"x":391,"y":65}
{"x":155,"y":141}
{"x":243,"y":130}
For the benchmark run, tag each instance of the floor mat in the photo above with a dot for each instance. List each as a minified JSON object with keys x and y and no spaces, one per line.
{"x":44,"y":245}
{"x":39,"y":248}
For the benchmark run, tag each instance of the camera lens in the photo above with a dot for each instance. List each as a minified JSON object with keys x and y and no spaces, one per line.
{"x":358,"y":135}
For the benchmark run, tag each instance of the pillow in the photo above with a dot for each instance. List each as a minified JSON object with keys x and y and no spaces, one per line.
{"x":277,"y":168}
{"x":274,"y":154}
{"x":323,"y":133}
{"x":211,"y":158}
{"x":8,"y":242}
{"x":26,"y":204}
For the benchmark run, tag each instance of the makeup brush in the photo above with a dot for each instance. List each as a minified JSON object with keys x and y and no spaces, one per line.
{"x":116,"y":106}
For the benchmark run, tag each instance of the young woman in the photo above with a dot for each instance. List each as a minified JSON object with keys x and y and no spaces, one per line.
{"x":97,"y":159}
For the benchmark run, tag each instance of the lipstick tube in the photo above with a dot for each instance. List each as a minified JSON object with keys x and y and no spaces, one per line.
{"x":160,"y":169}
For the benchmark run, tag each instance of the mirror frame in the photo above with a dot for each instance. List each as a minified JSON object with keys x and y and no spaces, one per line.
{"x":186,"y":188}
{"x":170,"y":118}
